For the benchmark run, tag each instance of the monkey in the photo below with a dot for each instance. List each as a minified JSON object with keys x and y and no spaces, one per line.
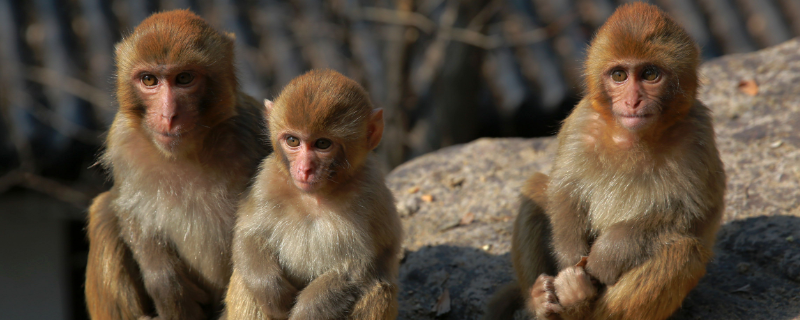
{"x":182,"y":150}
{"x":625,"y":224}
{"x":318,"y":235}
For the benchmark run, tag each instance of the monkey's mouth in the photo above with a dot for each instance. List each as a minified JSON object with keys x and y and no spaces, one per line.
{"x":634,"y":121}
{"x":172,"y":137}
{"x":167,"y":138}
{"x":307,"y":186}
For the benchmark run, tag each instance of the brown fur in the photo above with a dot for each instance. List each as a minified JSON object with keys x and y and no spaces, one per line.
{"x":160,"y":239}
{"x":330,"y":253}
{"x":643,"y":205}
{"x":112,"y":266}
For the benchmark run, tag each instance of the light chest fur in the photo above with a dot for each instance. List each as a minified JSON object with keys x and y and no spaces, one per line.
{"x":614,"y":197}
{"x":184,"y":204}
{"x":315,"y":239}
{"x":633,"y":186}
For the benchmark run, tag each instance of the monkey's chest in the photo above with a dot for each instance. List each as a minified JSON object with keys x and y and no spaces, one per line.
{"x":311,"y":247}
{"x":637,"y":198}
{"x":186,"y":214}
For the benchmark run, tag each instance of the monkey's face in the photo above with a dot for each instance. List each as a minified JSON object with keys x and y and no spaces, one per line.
{"x":171,"y":97}
{"x":312,"y":160}
{"x":636,"y":90}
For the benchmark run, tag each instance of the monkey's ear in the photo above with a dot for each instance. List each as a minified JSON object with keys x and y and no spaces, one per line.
{"x":375,"y":128}
{"x":269,"y":104}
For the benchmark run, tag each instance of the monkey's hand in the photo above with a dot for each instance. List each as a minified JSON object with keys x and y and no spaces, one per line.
{"x":543,"y":301}
{"x":575,"y":291}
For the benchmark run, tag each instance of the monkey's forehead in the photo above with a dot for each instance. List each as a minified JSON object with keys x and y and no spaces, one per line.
{"x":640,"y":29}
{"x":642,"y":32}
{"x":321,"y":123}
{"x":175,"y":37}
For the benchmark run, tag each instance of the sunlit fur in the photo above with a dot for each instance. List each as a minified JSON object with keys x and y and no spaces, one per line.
{"x":328,"y":254}
{"x":644,"y":209}
{"x":169,"y":217}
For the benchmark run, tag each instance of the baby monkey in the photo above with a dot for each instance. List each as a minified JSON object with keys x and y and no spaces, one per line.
{"x":318,"y":235}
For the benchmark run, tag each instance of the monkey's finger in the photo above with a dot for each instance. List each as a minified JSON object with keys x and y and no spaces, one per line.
{"x":549,"y":284}
{"x":551,"y":310}
{"x":551,"y":297}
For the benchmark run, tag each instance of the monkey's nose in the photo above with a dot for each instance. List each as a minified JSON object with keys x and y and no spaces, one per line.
{"x":305,"y":173}
{"x":169,"y":120}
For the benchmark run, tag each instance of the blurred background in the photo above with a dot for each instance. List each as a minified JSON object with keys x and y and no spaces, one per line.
{"x":445,"y":72}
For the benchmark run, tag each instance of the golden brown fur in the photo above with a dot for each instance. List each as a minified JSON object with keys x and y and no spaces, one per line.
{"x":328,"y":252}
{"x":160,"y":238}
{"x":642,"y":202}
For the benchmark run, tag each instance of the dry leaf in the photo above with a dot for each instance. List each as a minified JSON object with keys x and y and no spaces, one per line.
{"x":745,"y":288}
{"x":467,"y":219}
{"x":427,"y":198}
{"x":442,"y":305}
{"x":776,"y":144}
{"x":413,"y":190}
{"x":450,"y":224}
{"x":456,"y":182}
{"x":748,"y":87}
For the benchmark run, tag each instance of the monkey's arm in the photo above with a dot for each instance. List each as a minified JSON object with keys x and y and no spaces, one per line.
{"x":620,"y":248}
{"x":261,"y":274}
{"x":258,"y":269}
{"x":531,"y":251}
{"x":111,"y":289}
{"x":166,"y":279}
{"x":655,"y":288}
{"x":533,"y":262}
{"x":570,"y":237}
{"x":329,"y":296}
{"x":377,"y":300}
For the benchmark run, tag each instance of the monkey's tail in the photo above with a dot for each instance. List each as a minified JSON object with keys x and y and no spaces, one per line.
{"x":505,"y":302}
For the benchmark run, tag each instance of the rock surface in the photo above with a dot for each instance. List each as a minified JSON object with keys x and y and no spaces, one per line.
{"x":458,"y":204}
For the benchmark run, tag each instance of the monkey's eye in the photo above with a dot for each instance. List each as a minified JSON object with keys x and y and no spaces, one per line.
{"x":149,"y":80}
{"x":619,"y":75}
{"x":184,"y":78}
{"x":292,"y":141}
{"x":650,"y":74}
{"x":323,"y":144}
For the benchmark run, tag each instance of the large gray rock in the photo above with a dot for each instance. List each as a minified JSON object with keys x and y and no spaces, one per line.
{"x":458,"y":204}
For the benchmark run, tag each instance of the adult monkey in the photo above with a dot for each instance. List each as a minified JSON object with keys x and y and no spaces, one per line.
{"x":630,"y":211}
{"x":182,"y":149}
